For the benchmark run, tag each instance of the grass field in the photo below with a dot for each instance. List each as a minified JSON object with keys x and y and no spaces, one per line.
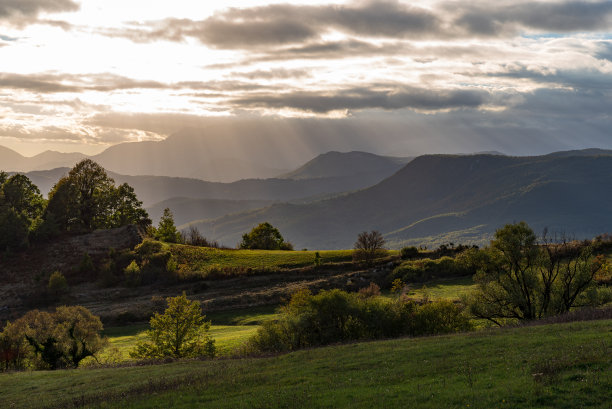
{"x":230,"y":329}
{"x":200,"y":258}
{"x":448,"y":289}
{"x":553,"y":366}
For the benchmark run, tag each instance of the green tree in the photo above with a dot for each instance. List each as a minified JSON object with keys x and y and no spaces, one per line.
{"x":87,"y":199}
{"x":264,"y":237}
{"x":520,"y":279}
{"x":64,"y":338}
{"x":23,"y":196}
{"x":57,"y":283}
{"x":125,"y":208}
{"x":181,"y":331}
{"x":21,"y":207}
{"x":166,"y":231}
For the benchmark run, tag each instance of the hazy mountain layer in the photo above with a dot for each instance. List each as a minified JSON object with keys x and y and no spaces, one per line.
{"x":454,"y":198}
{"x":186,"y":209}
{"x":356,"y":164}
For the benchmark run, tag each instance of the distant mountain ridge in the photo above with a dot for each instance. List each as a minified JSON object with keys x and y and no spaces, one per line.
{"x":13,"y":161}
{"x":460,"y":198}
{"x":339,"y":164}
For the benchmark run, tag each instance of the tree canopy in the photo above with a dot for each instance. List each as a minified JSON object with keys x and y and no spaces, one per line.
{"x":51,"y":340}
{"x":519,"y":278}
{"x":87,"y":199}
{"x":181,"y":331}
{"x":21,"y":209}
{"x":264,"y":237}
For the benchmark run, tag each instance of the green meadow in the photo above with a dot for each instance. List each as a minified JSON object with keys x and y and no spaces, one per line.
{"x":199,"y":258}
{"x":552,"y":366}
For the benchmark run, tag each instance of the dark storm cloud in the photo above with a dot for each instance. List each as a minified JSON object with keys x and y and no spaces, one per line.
{"x":366,"y":98}
{"x":22,"y":12}
{"x":485,"y":18}
{"x":288,"y":24}
{"x":285,"y":24}
{"x":578,"y":79}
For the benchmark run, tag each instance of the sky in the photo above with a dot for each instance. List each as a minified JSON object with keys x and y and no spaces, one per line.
{"x":521,"y":77}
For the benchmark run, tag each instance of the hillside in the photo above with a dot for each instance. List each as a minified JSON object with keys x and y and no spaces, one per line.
{"x":186,"y":209}
{"x":549,"y":366}
{"x":449,"y":198}
{"x":345,"y":164}
{"x":154,"y":189}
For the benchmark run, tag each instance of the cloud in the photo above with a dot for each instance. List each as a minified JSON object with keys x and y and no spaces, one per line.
{"x":46,"y":83}
{"x":23,"y":12}
{"x":279,"y":25}
{"x":367,"y":98}
{"x":484,"y":18}
{"x":283,"y":24}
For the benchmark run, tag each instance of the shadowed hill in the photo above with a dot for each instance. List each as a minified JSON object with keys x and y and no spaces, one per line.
{"x":344,"y":164}
{"x":457,"y":197}
{"x":186,"y":209}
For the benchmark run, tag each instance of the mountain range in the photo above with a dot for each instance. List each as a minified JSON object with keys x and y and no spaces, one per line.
{"x":215,"y":155}
{"x":442,"y":198}
{"x":323,"y":176}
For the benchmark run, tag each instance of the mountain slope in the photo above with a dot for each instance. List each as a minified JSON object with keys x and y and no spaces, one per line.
{"x":344,"y":164}
{"x":186,"y":209}
{"x":438,"y":195}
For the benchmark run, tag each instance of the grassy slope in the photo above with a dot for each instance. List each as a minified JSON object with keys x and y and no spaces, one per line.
{"x":198,"y":258}
{"x":230,"y":329}
{"x":492,"y":369}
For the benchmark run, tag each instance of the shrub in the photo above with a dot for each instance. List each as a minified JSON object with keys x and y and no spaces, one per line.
{"x":133,"y":274}
{"x":373,"y":290}
{"x":407,"y":253}
{"x":61,"y":339}
{"x":336,"y":316}
{"x":147,"y":248}
{"x":57,"y":283}
{"x":427,"y":269}
{"x":86,"y":267}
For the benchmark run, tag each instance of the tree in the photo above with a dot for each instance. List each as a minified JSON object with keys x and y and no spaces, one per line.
{"x":166,"y":231}
{"x":369,"y":246}
{"x":23,"y":196}
{"x":264,"y":237}
{"x":181,"y":331}
{"x":64,"y":338}
{"x":93,"y":190}
{"x":87,"y":199}
{"x":21,"y":207}
{"x":125,"y":208}
{"x":520,"y":279}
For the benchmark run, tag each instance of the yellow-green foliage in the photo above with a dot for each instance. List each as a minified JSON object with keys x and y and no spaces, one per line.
{"x":337,"y":316}
{"x":181,"y":331}
{"x":427,"y":269}
{"x":57,"y":283}
{"x":192,"y":260}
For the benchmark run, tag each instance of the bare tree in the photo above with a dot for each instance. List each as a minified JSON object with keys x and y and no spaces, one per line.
{"x":369,"y":245}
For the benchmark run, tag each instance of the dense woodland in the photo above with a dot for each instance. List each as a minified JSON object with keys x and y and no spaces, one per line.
{"x":84,"y":200}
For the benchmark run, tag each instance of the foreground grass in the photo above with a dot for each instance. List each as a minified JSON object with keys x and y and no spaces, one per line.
{"x":553,"y":366}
